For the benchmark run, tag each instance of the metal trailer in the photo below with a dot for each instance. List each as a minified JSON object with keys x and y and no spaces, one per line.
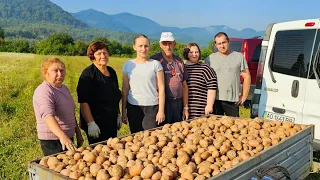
{"x":294,"y":153}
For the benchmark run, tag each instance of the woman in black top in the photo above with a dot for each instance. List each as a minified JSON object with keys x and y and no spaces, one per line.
{"x":99,"y":96}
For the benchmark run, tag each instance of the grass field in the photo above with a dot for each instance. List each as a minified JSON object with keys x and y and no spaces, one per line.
{"x":20,"y":76}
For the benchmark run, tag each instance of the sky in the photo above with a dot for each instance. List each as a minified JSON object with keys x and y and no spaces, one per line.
{"x":237,"y":14}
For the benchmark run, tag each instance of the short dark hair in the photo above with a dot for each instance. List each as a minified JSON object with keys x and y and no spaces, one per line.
{"x":94,"y":47}
{"x":221,"y":34}
{"x":138,"y":36}
{"x":187,"y":50}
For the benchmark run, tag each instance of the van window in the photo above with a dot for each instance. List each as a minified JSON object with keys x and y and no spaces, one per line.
{"x":310,"y":66}
{"x":292,"y":51}
{"x":256,"y":54}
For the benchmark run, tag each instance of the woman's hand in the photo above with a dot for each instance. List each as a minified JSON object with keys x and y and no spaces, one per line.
{"x":93,"y":129}
{"x":185,"y":115}
{"x":208,"y":110}
{"x":160,"y":117}
{"x":67,"y":143}
{"x":119,"y":121}
{"x":124,"y":118}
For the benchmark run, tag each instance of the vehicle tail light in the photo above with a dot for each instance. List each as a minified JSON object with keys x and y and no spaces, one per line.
{"x":245,"y":50}
{"x":309,"y":24}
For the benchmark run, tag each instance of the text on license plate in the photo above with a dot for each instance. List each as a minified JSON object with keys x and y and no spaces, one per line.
{"x":277,"y":117}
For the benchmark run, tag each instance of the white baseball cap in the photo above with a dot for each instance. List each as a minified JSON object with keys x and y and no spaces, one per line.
{"x":166,"y":36}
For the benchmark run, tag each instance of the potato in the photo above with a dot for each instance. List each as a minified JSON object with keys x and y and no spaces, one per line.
{"x":204,"y":143}
{"x":244,"y":155}
{"x":274,"y":141}
{"x":94,"y":168}
{"x":215,"y":153}
{"x":253,"y":143}
{"x":74,"y":175}
{"x":52,"y":162}
{"x":116,"y":171}
{"x":224,"y":158}
{"x":167,"y":172}
{"x":102,"y":175}
{"x":147,"y":172}
{"x":172,"y":167}
{"x":156,"y":176}
{"x":231,"y":154}
{"x":62,"y":156}
{"x":59,"y":167}
{"x":70,"y":153}
{"x":215,"y":172}
{"x":136,"y":169}
{"x":44,"y":161}
{"x":237,"y":144}
{"x":100,"y":160}
{"x":65,"y":172}
{"x":90,"y":157}
{"x":259,"y":148}
{"x":224,"y":149}
{"x":137,"y":178}
{"x":164,"y":161}
{"x":184,"y":159}
{"x":287,"y":125}
{"x":187,"y":176}
{"x":200,"y":177}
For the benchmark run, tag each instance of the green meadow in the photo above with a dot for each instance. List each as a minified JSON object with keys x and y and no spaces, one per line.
{"x":19,"y":76}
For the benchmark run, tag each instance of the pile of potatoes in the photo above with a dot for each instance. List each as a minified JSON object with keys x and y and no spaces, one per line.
{"x":197,"y":149}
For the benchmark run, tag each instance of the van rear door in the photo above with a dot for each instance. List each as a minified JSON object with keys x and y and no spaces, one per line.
{"x":285,"y":73}
{"x":311,"y":112}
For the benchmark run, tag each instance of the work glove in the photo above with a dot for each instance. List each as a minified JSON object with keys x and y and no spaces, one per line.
{"x":119,"y":121}
{"x":93,"y":129}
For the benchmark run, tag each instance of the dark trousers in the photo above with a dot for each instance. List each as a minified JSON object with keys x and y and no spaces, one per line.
{"x":141,"y":117}
{"x":172,"y":111}
{"x":226,"y":108}
{"x":107,"y":125}
{"x":50,"y":147}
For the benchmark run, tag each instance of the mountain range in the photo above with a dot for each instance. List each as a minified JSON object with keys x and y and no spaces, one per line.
{"x":132,"y":23}
{"x":37,"y":19}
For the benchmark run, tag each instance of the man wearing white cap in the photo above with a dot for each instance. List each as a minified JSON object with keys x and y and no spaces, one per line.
{"x":175,"y":74}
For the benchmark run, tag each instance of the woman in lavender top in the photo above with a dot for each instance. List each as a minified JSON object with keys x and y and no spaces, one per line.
{"x":55,"y":110}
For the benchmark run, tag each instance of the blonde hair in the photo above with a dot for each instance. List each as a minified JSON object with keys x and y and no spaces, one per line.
{"x":47,"y":63}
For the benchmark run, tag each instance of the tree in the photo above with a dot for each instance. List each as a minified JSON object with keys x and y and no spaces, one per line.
{"x":1,"y":33}
{"x":58,"y":43}
{"x":205,"y":53}
{"x":211,"y":45}
{"x":80,"y":48}
{"x":20,"y":46}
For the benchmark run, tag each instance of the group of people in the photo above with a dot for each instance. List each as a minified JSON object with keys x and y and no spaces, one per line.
{"x":156,"y":90}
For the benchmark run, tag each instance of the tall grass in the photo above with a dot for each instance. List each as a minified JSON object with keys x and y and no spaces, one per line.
{"x":19,"y":76}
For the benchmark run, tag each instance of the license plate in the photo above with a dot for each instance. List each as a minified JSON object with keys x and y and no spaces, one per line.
{"x":278,"y":117}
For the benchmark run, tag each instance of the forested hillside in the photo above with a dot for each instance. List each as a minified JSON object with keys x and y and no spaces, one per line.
{"x":37,"y":19}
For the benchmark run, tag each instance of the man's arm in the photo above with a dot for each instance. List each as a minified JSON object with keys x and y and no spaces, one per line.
{"x":246,"y":86}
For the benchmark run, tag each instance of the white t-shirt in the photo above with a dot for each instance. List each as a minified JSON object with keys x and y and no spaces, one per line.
{"x":143,"y":82}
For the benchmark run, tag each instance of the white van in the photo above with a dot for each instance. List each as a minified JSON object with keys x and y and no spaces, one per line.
{"x":288,"y":84}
